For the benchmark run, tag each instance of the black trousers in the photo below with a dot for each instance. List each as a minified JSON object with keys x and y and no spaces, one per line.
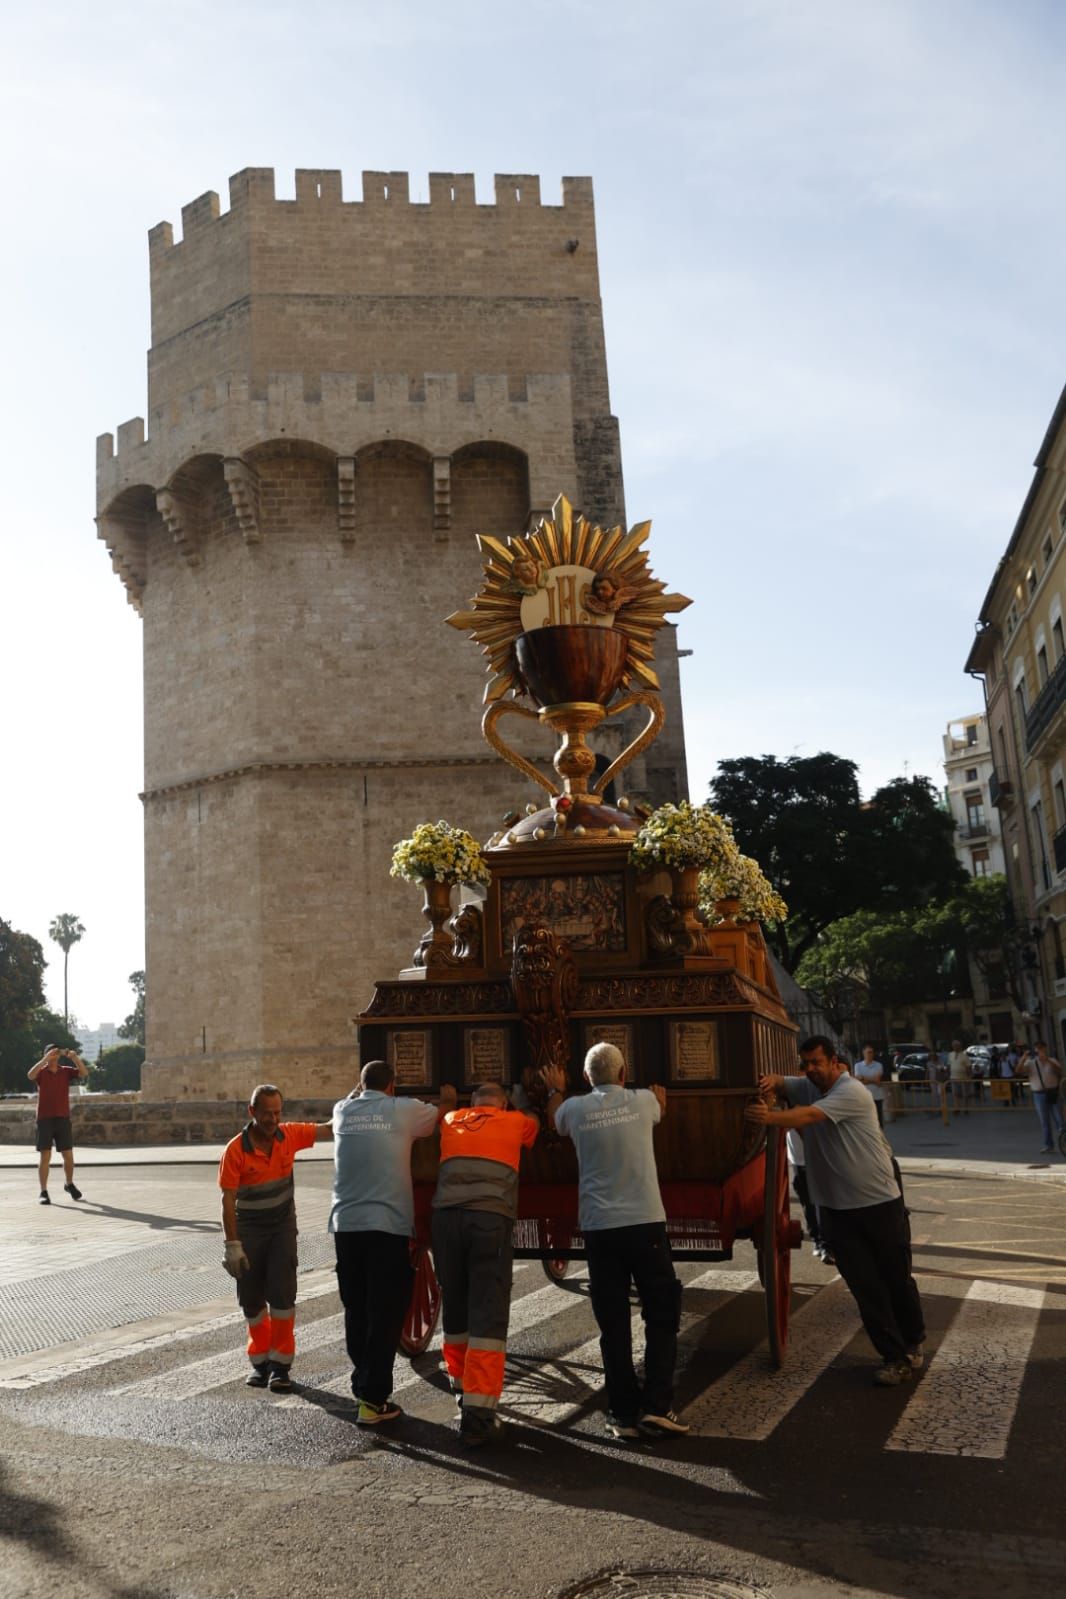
{"x":810,"y":1209}
{"x":616,"y":1257}
{"x":375,"y":1278}
{"x":872,"y":1247}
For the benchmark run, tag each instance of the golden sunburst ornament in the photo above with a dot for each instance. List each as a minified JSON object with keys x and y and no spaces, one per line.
{"x":567,"y":571}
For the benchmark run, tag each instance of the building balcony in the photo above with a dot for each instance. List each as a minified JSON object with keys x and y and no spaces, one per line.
{"x":1000,"y":791}
{"x":972,"y":831}
{"x":1043,"y":712}
{"x":1058,"y":847}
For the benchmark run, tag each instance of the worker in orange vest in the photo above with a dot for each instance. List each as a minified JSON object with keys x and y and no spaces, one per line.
{"x":259,"y":1224}
{"x":474,"y":1210}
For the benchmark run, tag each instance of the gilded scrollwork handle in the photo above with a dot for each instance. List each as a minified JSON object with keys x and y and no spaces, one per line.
{"x":488,"y":731}
{"x":650,"y":731}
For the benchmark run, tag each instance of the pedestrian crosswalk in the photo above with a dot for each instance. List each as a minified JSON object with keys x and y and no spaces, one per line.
{"x":965,"y":1402}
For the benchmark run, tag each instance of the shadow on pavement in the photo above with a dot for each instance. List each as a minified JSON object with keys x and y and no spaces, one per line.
{"x":93,"y":1207}
{"x":38,"y":1525}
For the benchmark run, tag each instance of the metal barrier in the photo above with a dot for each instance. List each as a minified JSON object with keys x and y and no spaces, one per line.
{"x":942,"y":1098}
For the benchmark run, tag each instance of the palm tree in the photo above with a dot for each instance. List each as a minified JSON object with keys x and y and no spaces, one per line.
{"x":66,"y":931}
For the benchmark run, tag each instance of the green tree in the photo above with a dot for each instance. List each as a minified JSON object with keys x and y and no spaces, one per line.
{"x":981,"y":920}
{"x":22,"y":966}
{"x":119,"y":1069}
{"x":22,"y":1047}
{"x":66,"y":931}
{"x":829,"y":854}
{"x":133,"y":1027}
{"x":876,"y":959}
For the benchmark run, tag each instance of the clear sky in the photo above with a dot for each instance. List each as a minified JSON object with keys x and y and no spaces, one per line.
{"x":831,"y":239}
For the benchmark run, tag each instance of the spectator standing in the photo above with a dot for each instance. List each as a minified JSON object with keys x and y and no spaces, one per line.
{"x":849,"y":1167}
{"x":959,"y":1075}
{"x":474,"y":1208}
{"x":372,"y":1220}
{"x":798,"y":1162}
{"x":52,"y":1075}
{"x":870,"y":1073}
{"x":259,"y":1226}
{"x":623,"y":1223}
{"x":1045,"y":1078}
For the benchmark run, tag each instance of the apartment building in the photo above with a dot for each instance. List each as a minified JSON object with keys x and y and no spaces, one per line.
{"x":1020,"y":655}
{"x":968,"y":769}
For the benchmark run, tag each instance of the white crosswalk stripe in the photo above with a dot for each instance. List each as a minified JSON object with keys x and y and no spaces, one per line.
{"x":750,"y":1400}
{"x":966,"y":1401}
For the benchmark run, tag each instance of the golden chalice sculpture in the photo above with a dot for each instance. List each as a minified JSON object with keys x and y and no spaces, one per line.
{"x":567,"y":616}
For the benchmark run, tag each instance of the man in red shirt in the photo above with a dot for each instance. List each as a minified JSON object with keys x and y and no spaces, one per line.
{"x":474,"y":1209}
{"x":53,"y":1075}
{"x":259,"y":1224}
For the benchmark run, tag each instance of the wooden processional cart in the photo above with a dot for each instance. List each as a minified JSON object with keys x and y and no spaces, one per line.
{"x":572,"y":944}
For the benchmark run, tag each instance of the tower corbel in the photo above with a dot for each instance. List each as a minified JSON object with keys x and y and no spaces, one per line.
{"x":242,"y":481}
{"x":442,"y":496}
{"x":346,"y":498}
{"x":182,"y":524}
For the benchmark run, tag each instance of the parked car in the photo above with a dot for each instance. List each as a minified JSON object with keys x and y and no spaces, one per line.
{"x":912,"y":1068}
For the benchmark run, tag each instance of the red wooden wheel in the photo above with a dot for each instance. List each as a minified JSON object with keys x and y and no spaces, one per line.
{"x":424,"y":1308}
{"x":555,"y":1266}
{"x":775,"y":1250}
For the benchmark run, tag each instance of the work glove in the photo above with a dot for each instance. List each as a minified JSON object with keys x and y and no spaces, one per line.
{"x":235,"y":1260}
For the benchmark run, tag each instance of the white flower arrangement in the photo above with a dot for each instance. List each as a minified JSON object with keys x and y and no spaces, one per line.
{"x":438,"y":850}
{"x":684,"y":835}
{"x":744,"y":879}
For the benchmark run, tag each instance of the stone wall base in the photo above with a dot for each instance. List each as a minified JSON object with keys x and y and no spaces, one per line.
{"x":104,"y":1121}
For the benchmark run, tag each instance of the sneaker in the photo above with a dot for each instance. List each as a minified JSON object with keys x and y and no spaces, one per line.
{"x":44,"y":1199}
{"x":615,"y":1427}
{"x":473,"y":1437}
{"x":258,"y":1377}
{"x":1045,"y":1149}
{"x":72,"y":1190}
{"x":280,"y":1381}
{"x":893,"y":1372}
{"x":916,"y":1356}
{"x":373,"y":1415}
{"x":457,"y":1393}
{"x":664,"y":1424}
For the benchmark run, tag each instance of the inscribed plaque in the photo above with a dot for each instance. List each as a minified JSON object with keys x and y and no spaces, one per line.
{"x":486,"y":1055}
{"x":620,"y":1034}
{"x":693,"y":1052}
{"x":409,"y":1057}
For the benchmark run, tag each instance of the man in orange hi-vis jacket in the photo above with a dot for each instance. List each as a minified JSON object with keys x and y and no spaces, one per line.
{"x":473,"y":1218}
{"x":259,"y":1223}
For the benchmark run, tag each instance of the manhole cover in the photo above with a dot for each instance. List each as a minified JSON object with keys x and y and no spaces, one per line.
{"x":662,"y":1585}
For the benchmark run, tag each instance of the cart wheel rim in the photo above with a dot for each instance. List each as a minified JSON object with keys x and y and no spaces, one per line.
{"x":423,"y":1310}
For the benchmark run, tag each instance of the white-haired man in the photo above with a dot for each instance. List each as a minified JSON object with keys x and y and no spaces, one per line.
{"x":622,"y":1220}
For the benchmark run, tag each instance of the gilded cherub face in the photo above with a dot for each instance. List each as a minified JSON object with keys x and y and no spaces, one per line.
{"x":524,"y":570}
{"x":604,"y":588}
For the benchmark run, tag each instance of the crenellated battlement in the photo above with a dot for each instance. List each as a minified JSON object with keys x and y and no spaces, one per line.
{"x":322,"y":190}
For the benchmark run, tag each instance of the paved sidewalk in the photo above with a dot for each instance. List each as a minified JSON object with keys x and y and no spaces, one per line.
{"x":993,"y":1140}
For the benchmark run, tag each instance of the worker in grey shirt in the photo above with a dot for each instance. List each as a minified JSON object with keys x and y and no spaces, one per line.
{"x":623,"y":1223}
{"x":372,"y":1220}
{"x":849,"y":1170}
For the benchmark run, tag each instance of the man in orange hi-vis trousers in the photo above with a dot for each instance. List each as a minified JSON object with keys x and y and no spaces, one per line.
{"x":473,"y":1218}
{"x":259,"y":1223}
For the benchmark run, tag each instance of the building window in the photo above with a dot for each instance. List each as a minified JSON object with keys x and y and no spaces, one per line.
{"x":1041,"y":664}
{"x":1030,"y":578}
{"x":1049,"y":545}
{"x":1044,"y":878}
{"x":1060,"y":802}
{"x":971,"y":733}
{"x":975,"y":812}
{"x":1023,"y":700}
{"x":1012,"y":619}
{"x":1056,"y":634}
{"x":971,"y":774}
{"x":1062,"y":516}
{"x":980,"y":863}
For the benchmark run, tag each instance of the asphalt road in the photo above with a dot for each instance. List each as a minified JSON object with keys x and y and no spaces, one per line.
{"x":136,"y":1465}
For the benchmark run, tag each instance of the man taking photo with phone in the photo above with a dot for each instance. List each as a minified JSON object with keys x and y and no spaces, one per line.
{"x":53,"y":1075}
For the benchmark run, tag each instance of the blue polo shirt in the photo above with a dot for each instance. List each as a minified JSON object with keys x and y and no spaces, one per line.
{"x":372,"y":1138}
{"x":612,"y":1132}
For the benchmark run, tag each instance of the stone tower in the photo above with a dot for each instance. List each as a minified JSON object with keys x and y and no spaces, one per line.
{"x":340,"y":396}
